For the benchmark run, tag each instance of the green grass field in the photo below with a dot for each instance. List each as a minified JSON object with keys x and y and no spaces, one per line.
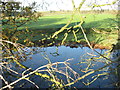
{"x":55,"y":21}
{"x":50,"y":23}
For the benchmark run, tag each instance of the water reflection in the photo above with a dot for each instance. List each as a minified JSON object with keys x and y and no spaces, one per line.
{"x":70,"y":62}
{"x":84,"y":60}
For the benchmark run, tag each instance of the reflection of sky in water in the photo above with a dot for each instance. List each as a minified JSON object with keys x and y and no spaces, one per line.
{"x":62,"y":53}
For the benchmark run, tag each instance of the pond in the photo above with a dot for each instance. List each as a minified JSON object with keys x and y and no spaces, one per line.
{"x":82,"y":60}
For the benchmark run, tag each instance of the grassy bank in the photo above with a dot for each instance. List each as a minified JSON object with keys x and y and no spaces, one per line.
{"x":104,"y":20}
{"x":105,"y":34}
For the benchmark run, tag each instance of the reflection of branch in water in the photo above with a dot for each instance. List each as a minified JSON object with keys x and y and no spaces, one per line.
{"x":46,"y":56}
{"x":55,"y":53}
{"x":2,"y":78}
{"x":26,"y":76}
{"x":96,"y":77}
{"x":89,"y":73}
{"x":91,"y":54}
{"x":52,"y":70}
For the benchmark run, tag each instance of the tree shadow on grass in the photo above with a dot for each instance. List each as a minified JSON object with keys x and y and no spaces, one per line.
{"x":105,"y":23}
{"x":43,"y":23}
{"x":50,"y":26}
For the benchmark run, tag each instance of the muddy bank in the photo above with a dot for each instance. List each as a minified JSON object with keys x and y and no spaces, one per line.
{"x":70,"y":44}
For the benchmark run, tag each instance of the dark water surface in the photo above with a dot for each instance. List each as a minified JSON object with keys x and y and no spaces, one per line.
{"x":83,"y":58}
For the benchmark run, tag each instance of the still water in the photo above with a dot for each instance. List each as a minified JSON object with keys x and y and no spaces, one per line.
{"x":82,"y":60}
